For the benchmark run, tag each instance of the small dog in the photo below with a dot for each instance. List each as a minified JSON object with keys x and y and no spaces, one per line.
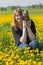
{"x":25,"y":16}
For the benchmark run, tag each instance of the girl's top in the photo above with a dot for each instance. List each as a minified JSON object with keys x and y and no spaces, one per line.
{"x":18,"y":33}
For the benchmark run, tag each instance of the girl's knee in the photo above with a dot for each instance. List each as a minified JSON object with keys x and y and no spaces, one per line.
{"x":33,"y":44}
{"x":23,"y":46}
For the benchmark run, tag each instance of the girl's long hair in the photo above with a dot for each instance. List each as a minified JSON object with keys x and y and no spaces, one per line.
{"x":16,"y":24}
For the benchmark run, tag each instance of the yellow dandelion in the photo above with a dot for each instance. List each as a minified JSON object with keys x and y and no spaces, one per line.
{"x":32,"y":54}
{"x":34,"y":62}
{"x":12,"y":62}
{"x":22,"y":62}
{"x":39,"y":63}
{"x":0,"y":63}
{"x":16,"y":57}
{"x":12,"y":55}
{"x":6,"y":49}
{"x":29,"y":61}
{"x":9,"y":59}
{"x":7,"y":63}
{"x":1,"y":55}
{"x":0,"y":43}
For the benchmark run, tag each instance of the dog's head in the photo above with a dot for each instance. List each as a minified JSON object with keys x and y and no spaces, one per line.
{"x":25,"y":15}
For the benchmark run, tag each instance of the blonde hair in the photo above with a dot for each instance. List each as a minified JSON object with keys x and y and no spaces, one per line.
{"x":16,"y":24}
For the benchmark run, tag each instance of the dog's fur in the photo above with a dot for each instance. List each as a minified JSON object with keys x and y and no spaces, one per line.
{"x":25,"y":16}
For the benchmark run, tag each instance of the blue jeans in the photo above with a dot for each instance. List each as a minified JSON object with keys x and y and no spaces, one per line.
{"x":33,"y":44}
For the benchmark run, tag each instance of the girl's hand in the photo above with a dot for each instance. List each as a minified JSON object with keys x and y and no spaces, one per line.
{"x":28,"y":24}
{"x":21,"y":39}
{"x":24,"y":24}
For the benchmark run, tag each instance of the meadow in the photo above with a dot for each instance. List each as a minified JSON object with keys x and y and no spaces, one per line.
{"x":10,"y":54}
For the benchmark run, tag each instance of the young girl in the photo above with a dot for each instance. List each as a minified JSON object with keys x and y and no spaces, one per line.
{"x":24,"y":32}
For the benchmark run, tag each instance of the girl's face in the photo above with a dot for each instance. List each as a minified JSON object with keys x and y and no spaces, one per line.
{"x":18,"y":17}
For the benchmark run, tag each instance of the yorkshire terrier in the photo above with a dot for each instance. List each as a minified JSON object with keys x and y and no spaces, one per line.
{"x":25,"y":16}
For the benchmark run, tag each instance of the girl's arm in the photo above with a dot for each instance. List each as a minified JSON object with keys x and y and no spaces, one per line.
{"x":31,"y":33}
{"x":24,"y":35}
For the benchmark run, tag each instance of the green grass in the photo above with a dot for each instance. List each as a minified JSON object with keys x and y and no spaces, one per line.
{"x":35,"y":11}
{"x":31,"y":11}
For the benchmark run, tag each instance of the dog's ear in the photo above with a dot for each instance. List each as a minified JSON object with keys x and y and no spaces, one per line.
{"x":27,"y":14}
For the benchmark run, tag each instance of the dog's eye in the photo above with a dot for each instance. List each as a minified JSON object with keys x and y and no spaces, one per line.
{"x":23,"y":13}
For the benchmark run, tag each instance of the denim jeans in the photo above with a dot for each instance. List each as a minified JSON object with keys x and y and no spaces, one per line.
{"x":33,"y":44}
{"x":23,"y":46}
